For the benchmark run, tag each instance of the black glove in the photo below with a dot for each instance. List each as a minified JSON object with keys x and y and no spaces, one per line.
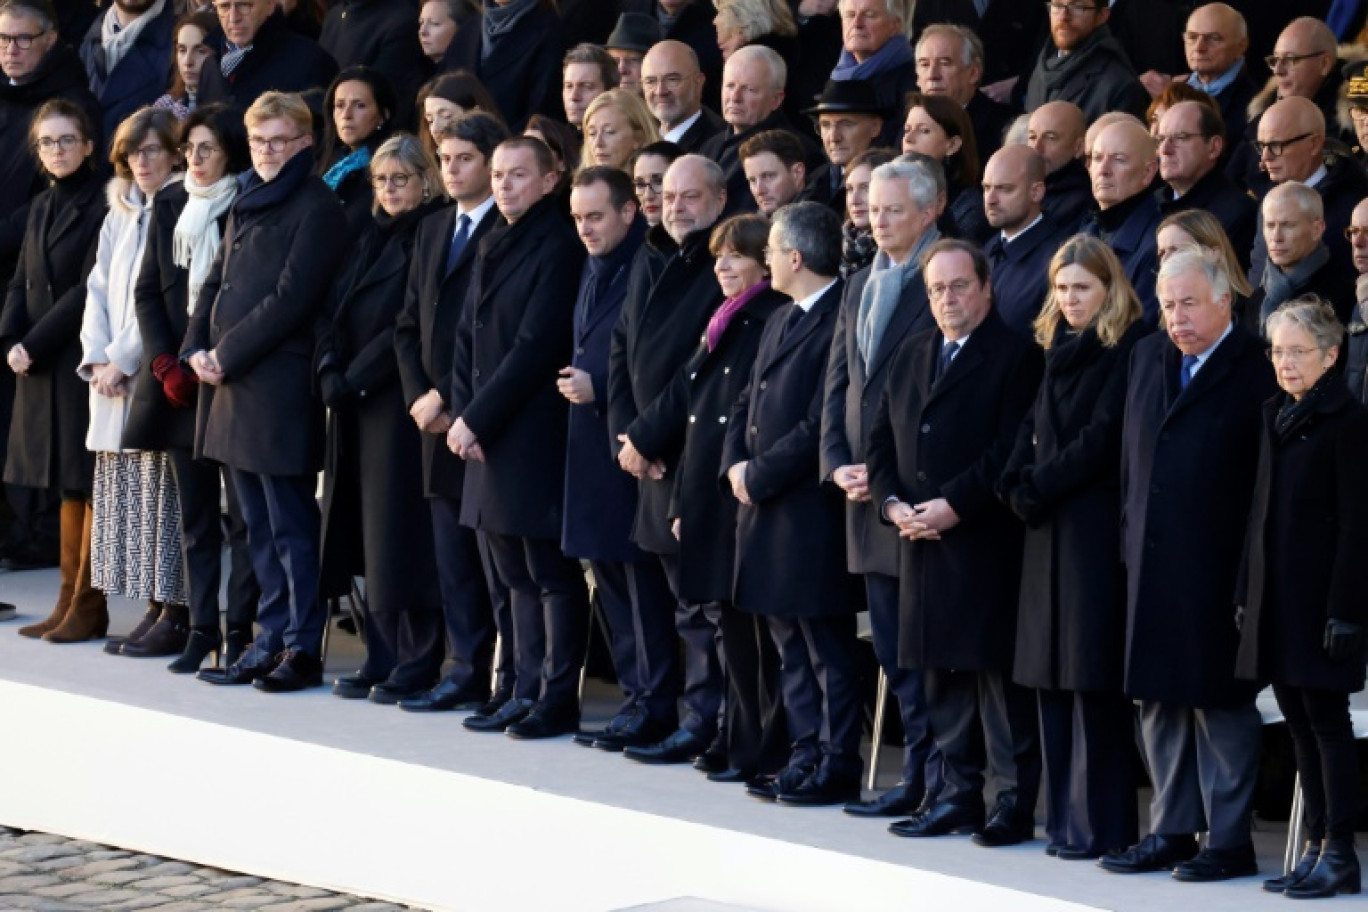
{"x":1343,"y":641}
{"x":337,"y":393}
{"x":1025,"y":501}
{"x":1239,"y":618}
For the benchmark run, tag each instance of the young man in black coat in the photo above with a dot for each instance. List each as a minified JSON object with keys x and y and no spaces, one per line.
{"x":1026,"y":238}
{"x":473,"y":600}
{"x":1189,"y":452}
{"x":510,"y":427}
{"x":884,"y":304}
{"x":379,"y":34}
{"x":125,"y":55}
{"x":258,"y":53}
{"x":250,"y":342}
{"x":945,"y":426}
{"x":788,"y":519}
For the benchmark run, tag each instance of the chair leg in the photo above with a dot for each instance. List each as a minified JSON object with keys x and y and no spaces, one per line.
{"x":494,"y":666}
{"x":880,"y":706}
{"x":358,"y":609}
{"x":327,"y":629}
{"x":1294,"y":829}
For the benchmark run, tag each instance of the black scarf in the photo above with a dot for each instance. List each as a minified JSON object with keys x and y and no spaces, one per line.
{"x":1294,"y":413}
{"x":1071,"y":348}
{"x":257,"y":194}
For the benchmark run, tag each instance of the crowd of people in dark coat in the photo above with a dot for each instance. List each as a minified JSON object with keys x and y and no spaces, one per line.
{"x":1034,"y":334}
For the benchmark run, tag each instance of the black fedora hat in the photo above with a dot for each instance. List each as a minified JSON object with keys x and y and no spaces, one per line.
{"x":634,"y":32}
{"x":848,"y":96}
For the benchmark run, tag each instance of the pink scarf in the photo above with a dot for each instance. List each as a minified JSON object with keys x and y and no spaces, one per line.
{"x":723,"y":315}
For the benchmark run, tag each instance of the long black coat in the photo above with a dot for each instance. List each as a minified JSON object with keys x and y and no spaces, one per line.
{"x":373,"y":509}
{"x":1307,"y":538}
{"x":950,"y":437}
{"x":652,"y":340}
{"x":852,"y":396}
{"x":382,"y":35}
{"x":141,"y":76}
{"x":1187,"y":472}
{"x":43,"y":312}
{"x":692,"y":413}
{"x":1236,"y":210}
{"x":280,"y":60}
{"x":522,"y":70}
{"x":513,"y":339}
{"x":1071,"y":626}
{"x":257,"y":309}
{"x":425,"y":332}
{"x":788,"y":539}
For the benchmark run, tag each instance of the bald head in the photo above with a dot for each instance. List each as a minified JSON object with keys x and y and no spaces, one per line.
{"x":1122,"y":163}
{"x":1106,"y":120}
{"x":1013,"y":188}
{"x":1291,"y":140}
{"x":671,"y":83}
{"x":694,"y":192}
{"x":1056,"y":131}
{"x":1358,"y":236}
{"x":1305,"y":53}
{"x":1215,"y":39}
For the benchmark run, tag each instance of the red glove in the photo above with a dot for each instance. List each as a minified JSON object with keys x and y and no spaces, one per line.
{"x":179,"y":385}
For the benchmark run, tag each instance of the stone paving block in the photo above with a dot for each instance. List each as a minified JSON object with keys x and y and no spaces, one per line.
{"x":237,"y":882}
{"x":22,"y":883}
{"x":317,"y":904}
{"x":63,"y":863}
{"x":241,"y":899}
{"x":169,"y":869}
{"x":377,"y":907}
{"x":41,"y":839}
{"x":118,"y":878}
{"x":32,"y":853}
{"x":36,"y":904}
{"x":299,"y":892}
{"x":9,"y":868}
{"x":189,"y":905}
{"x":104,"y":866}
{"x":150,"y":902}
{"x":160,"y":883}
{"x":67,"y":890}
{"x":103,"y":899}
{"x":105,"y":852}
{"x":188,"y":891}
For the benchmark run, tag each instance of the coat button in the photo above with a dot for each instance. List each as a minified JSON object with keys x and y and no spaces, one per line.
{"x":478,"y":325}
{"x":227,"y":285}
{"x":693,"y":374}
{"x":926,"y":428}
{"x":579,"y":351}
{"x":721,"y":419}
{"x":754,"y":429}
{"x":692,"y":419}
{"x":475,"y":373}
{"x":921,"y":476}
{"x":726,"y":370}
{"x":237,"y":245}
{"x":764,"y":384}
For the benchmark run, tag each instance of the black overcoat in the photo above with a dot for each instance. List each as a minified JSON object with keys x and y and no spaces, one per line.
{"x":522,"y":69}
{"x":425,"y":332}
{"x":280,"y":60}
{"x":257,"y":309}
{"x":1306,"y":541}
{"x":693,"y":412}
{"x":513,"y":339}
{"x":1187,"y":472}
{"x":951,"y":437}
{"x":43,"y":312}
{"x":379,"y":34}
{"x":653,"y":338}
{"x":851,"y":398}
{"x":1237,"y":211}
{"x":1071,"y":626}
{"x":788,"y":539}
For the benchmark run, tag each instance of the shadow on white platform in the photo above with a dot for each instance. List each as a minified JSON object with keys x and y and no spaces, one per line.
{"x":366,"y":799}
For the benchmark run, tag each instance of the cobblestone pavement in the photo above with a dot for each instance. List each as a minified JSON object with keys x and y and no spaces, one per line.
{"x":47,"y":873}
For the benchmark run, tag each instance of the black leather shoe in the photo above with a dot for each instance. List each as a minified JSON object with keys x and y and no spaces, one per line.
{"x":821,"y":790}
{"x":1153,"y":853}
{"x":940,"y":819}
{"x":1009,"y":824}
{"x":297,"y":670}
{"x":446,"y":697}
{"x":680,"y":747}
{"x":1218,"y":864}
{"x":236,"y":641}
{"x":387,"y":694}
{"x":201,"y":642}
{"x":166,"y":638}
{"x":767,"y":788}
{"x":609,"y":732}
{"x":731,"y":775}
{"x":494,"y":703}
{"x":7,"y":611}
{"x":544,"y":721}
{"x":114,"y":645}
{"x":1073,"y":853}
{"x":711,"y":761}
{"x":1337,"y":871}
{"x":899,"y":801}
{"x":1310,"y":855}
{"x":353,"y":686}
{"x":254,"y":663}
{"x":511,"y":711}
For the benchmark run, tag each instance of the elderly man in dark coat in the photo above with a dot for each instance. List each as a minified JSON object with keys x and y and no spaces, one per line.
{"x":1293,"y":227}
{"x":1189,"y":451}
{"x":788,"y":518}
{"x":600,"y":498}
{"x":258,"y":52}
{"x":125,"y":55}
{"x":945,"y":426}
{"x":874,"y":47}
{"x":250,"y":342}
{"x":1122,"y":166}
{"x":510,"y":427}
{"x":884,"y":304}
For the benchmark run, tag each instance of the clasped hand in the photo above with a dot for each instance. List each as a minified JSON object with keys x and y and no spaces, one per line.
{"x":923,"y":521}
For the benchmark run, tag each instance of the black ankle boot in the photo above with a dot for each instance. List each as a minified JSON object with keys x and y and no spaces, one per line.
{"x":1336,"y":872}
{"x":166,"y":638}
{"x":1310,"y":855}
{"x":115,"y":645}
{"x":236,"y":642}
{"x":201,"y":642}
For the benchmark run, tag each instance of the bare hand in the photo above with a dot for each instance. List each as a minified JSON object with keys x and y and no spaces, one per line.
{"x":576,"y":385}
{"x":674,"y":528}
{"x":19,"y":360}
{"x":1155,"y":82}
{"x":1000,"y":91}
{"x":809,"y":8}
{"x":439,"y":425}
{"x":109,"y":381}
{"x":461,"y":441}
{"x":854,"y":480}
{"x":929,"y":520}
{"x":737,"y":476}
{"x":206,"y":367}
{"x":426,"y":408}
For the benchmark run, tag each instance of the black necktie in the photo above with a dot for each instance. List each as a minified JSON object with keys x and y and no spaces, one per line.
{"x":458,"y":241}
{"x":795,"y":314}
{"x":947,"y":355}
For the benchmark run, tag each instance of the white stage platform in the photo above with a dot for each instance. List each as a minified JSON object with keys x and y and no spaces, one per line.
{"x":366,"y":799}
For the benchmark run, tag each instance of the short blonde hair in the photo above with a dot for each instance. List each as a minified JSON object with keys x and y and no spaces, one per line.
{"x":409,"y":151}
{"x":280,"y":105}
{"x":1120,"y":308}
{"x":639,"y":118}
{"x":754,"y":18}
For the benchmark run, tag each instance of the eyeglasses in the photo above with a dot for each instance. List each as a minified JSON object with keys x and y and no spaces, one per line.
{"x":1354,"y":233}
{"x":400,"y":180}
{"x":959,"y":288}
{"x":274,"y":143}
{"x":1276,"y":147}
{"x":22,"y":42}
{"x":148,"y":152}
{"x":653,"y":185}
{"x":669,"y":81}
{"x":1274,"y":61}
{"x":196,"y":152}
{"x":1284,"y":354}
{"x":1175,"y":138}
{"x":1070,"y":9}
{"x":65,"y":143}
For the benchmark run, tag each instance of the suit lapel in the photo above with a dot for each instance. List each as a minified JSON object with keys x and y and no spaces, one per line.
{"x":391,"y":261}
{"x":1207,"y":377}
{"x":909,"y":309}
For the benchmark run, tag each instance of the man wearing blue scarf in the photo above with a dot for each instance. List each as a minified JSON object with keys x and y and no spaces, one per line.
{"x":874,"y":47}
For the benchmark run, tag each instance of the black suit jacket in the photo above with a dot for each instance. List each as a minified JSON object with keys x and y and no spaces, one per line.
{"x":708,"y":125}
{"x":1021,"y":273}
{"x":280,"y":60}
{"x":1236,"y":210}
{"x":425,"y":331}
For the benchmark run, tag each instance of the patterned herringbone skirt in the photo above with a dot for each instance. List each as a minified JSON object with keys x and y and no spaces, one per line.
{"x":135,"y":539}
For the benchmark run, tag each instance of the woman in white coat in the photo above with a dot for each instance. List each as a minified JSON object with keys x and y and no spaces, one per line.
{"x":135,"y":538}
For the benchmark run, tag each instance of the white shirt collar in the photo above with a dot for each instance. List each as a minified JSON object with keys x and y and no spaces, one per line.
{"x":477,"y":214}
{"x":1202,"y":358}
{"x":1035,"y":221}
{"x":675,"y":134}
{"x":806,"y":303}
{"x":1318,"y":176}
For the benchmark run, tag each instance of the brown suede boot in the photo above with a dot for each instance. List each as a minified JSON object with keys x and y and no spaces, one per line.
{"x":88,"y":616}
{"x":72,"y":520}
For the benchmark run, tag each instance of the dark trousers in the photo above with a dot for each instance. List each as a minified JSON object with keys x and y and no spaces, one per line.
{"x":467,"y":609}
{"x":1327,"y":759}
{"x":506,"y":658}
{"x":757,"y":732}
{"x":984,"y":721}
{"x":820,"y":683}
{"x":282,"y":533}
{"x":550,"y":607}
{"x":705,"y":683}
{"x":638,"y":607}
{"x":198,"y":485}
{"x":921,"y":766}
{"x":1085,"y":741}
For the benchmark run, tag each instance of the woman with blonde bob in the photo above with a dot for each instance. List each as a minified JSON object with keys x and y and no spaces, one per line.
{"x":617,"y":124}
{"x":1063,"y":481}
